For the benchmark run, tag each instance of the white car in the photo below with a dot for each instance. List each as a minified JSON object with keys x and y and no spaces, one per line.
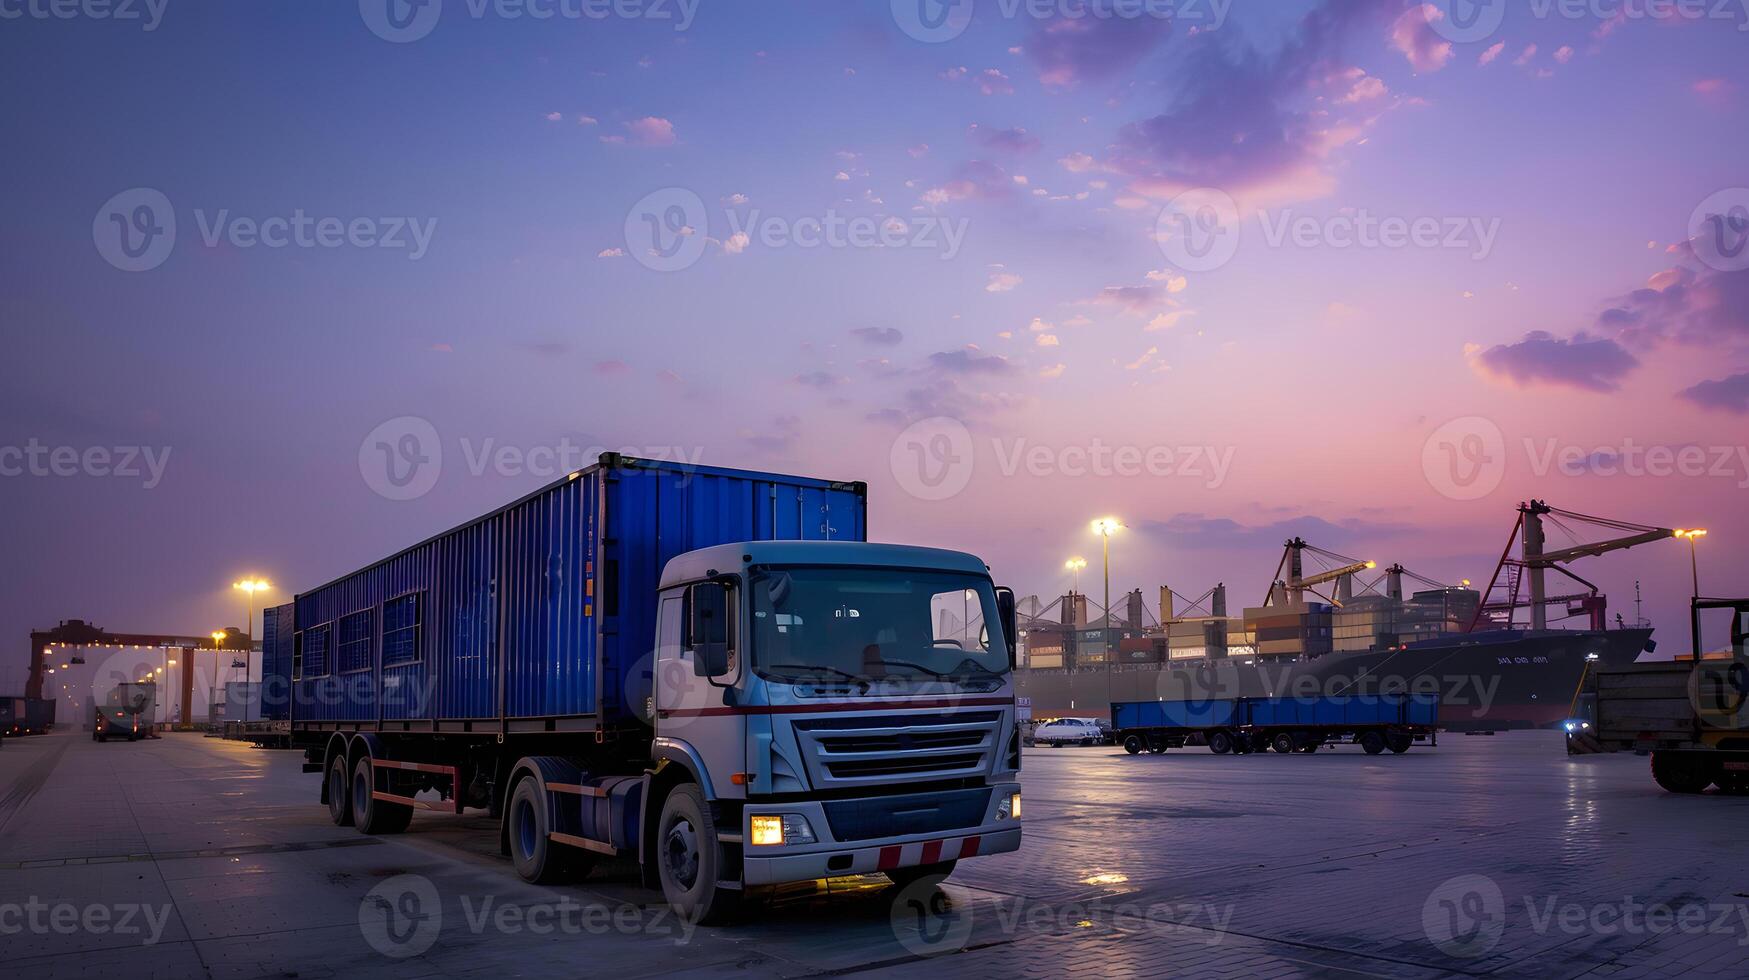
{"x":1069,"y":731}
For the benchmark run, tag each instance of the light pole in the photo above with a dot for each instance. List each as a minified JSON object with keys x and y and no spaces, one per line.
{"x":1074,"y":565}
{"x":1105,"y":527}
{"x":1693,"y":562}
{"x":249,"y":587}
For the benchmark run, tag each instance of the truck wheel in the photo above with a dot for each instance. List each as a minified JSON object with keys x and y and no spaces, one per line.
{"x":689,"y":860}
{"x":538,"y":860}
{"x":369,"y":814}
{"x":1132,"y":744}
{"x":1220,"y":743}
{"x":934,"y":874}
{"x":1680,"y":773}
{"x":1283,"y":743}
{"x":339,"y":792}
{"x":1399,"y":743}
{"x":1156,"y":746}
{"x":1372,"y":742}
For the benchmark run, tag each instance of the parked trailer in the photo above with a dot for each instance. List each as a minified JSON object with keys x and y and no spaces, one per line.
{"x":707,"y":670}
{"x":1375,"y":722}
{"x":27,"y":716}
{"x":1691,"y":717}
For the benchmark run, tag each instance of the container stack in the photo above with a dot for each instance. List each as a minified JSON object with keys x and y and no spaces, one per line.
{"x":1291,"y":629}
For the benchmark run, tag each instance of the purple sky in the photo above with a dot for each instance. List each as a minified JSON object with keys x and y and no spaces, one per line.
{"x":801,"y":236}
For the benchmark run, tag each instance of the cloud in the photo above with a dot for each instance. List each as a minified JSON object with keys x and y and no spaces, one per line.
{"x":1713,"y":87}
{"x":612,"y":368}
{"x":1365,"y":89}
{"x":1166,"y":321}
{"x":1002,"y":282}
{"x":735,"y":200}
{"x":1525,"y":56}
{"x":1052,"y":371}
{"x":1414,"y":36}
{"x":1068,"y":51}
{"x":1488,"y":56}
{"x":974,"y":178}
{"x":555,"y":116}
{"x":737,"y":243}
{"x":587,"y":120}
{"x":1005,"y":140}
{"x":1584,"y":362}
{"x":611,"y":253}
{"x":1250,"y":122}
{"x":651,"y":131}
{"x":1130,"y":300}
{"x":993,"y":82}
{"x":969,"y":360}
{"x":1175,"y":283}
{"x":1200,"y":532}
{"x":1564,"y":54}
{"x":1047,"y":340}
{"x":1729,"y":394}
{"x":878,"y":336}
{"x":819,"y":379}
{"x":1681,"y":305}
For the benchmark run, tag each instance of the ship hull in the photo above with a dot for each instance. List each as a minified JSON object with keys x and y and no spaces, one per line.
{"x":1494,"y":679}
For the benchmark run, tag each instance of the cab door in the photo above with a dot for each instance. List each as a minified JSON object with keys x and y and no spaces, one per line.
{"x":694,"y":709}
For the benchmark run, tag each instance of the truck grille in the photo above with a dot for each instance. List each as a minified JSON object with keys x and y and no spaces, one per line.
{"x":848,"y":751}
{"x":898,"y":816}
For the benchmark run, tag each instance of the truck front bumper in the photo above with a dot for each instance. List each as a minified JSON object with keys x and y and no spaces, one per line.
{"x":828,"y":857}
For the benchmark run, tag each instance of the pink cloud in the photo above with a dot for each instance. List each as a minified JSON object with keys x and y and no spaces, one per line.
{"x":651,"y":131}
{"x":1413,"y":35}
{"x":1493,"y":52}
{"x":610,"y":369}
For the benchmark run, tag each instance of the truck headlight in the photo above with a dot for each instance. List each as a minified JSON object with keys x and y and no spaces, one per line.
{"x":1009,"y":809}
{"x":777,"y":829}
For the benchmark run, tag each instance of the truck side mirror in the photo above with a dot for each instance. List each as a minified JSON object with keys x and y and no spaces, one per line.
{"x":707,"y":628}
{"x":1010,"y":629}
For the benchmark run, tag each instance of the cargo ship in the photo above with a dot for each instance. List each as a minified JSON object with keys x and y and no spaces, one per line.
{"x":1490,"y":670}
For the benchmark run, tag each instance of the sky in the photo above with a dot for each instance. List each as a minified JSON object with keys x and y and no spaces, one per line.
{"x":290,"y":286}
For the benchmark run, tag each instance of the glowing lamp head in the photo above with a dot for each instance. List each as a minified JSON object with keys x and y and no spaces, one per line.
{"x":1107,"y":526}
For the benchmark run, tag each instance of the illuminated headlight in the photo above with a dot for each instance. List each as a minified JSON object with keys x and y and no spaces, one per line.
{"x":777,"y":829}
{"x":1009,"y":809}
{"x":1572,"y":726}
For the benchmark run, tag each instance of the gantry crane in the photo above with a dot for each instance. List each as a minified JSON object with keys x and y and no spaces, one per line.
{"x":1531,"y":568}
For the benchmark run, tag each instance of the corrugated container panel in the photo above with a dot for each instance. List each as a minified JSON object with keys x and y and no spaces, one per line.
{"x":276,"y":653}
{"x":510,"y":606}
{"x":1045,"y":660}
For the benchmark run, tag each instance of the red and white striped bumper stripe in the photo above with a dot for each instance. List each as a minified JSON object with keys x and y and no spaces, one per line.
{"x":928,"y":852}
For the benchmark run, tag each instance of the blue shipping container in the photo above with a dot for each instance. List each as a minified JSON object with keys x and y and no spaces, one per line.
{"x":276,"y":658}
{"x":544,"y":609}
{"x":1202,"y":713}
{"x":1331,"y":711}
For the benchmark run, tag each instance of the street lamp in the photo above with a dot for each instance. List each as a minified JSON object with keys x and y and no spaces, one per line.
{"x":1693,"y":563}
{"x":250,"y":587}
{"x":1074,"y":565}
{"x":1105,"y":527}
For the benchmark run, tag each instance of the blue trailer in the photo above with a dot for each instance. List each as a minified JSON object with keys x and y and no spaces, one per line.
{"x":1375,"y":722}
{"x":708,"y":670}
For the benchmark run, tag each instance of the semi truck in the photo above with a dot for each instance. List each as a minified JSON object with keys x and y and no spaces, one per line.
{"x":1690,"y":716}
{"x":1375,"y":722}
{"x":709,"y":671}
{"x":27,"y":716}
{"x":128,"y":712}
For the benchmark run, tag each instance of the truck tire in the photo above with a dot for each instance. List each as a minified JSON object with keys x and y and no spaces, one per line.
{"x":1372,"y":742}
{"x":1399,"y":743}
{"x":689,"y":859}
{"x":537,"y":859}
{"x":934,"y":874}
{"x":1220,"y":743}
{"x":1680,"y":772}
{"x":369,"y":814}
{"x":1132,"y":744}
{"x":339,"y":791}
{"x":1156,"y":746}
{"x":1283,"y":743}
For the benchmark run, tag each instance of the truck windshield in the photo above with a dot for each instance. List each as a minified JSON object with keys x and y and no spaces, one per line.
{"x":872,"y":624}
